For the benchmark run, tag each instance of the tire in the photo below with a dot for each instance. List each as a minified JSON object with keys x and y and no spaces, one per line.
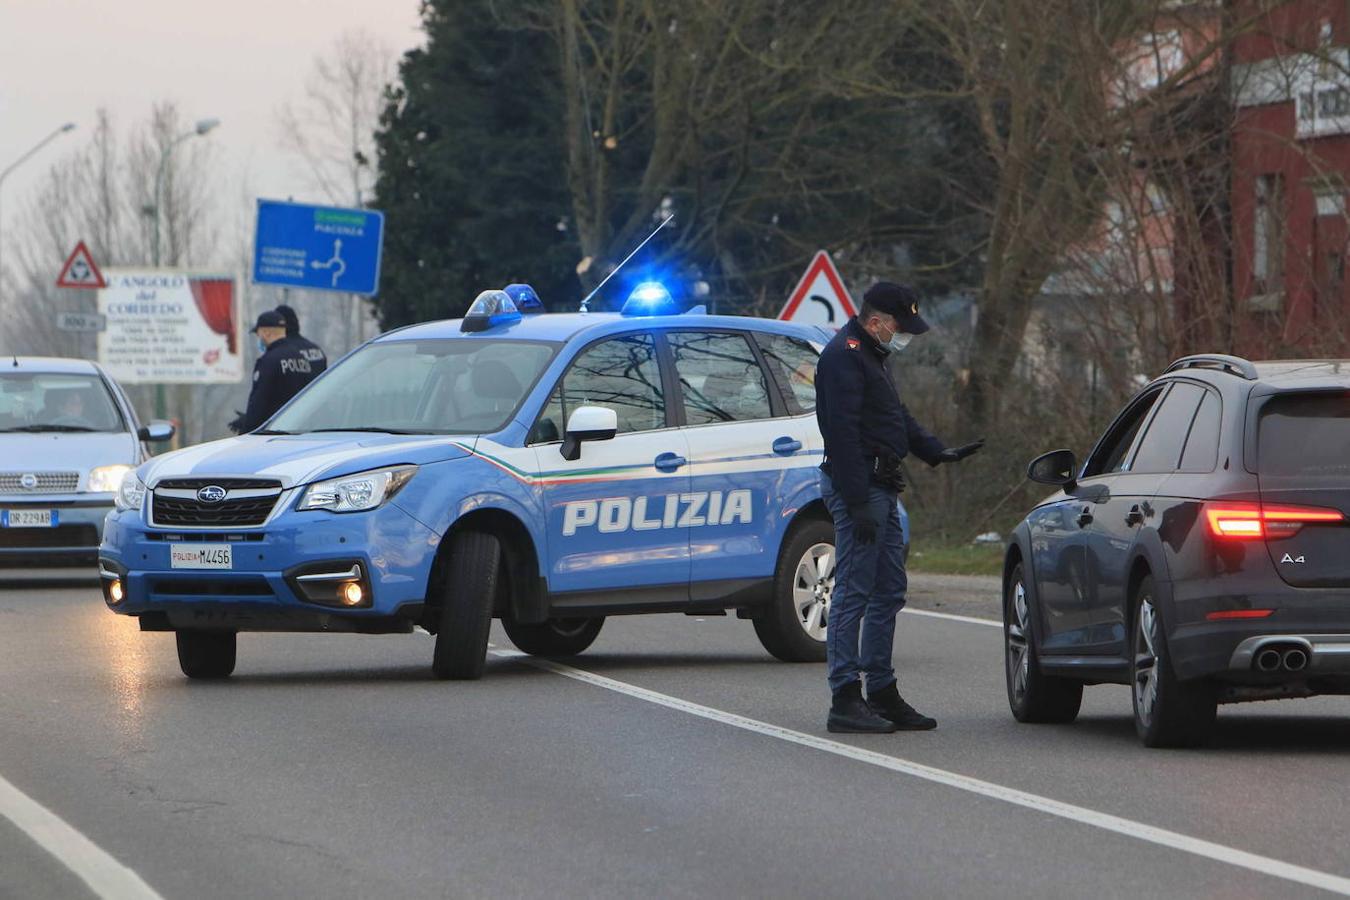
{"x":792,"y":627}
{"x":206,"y":654}
{"x":468,"y":591}
{"x":1033,"y":696}
{"x":1167,"y":712}
{"x":556,"y":637}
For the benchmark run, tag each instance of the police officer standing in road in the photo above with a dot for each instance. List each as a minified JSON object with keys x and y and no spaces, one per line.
{"x":308,"y":349}
{"x":279,"y":373}
{"x":867,"y":431}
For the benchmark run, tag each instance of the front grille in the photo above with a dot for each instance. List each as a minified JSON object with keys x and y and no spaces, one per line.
{"x":169,"y":511}
{"x":48,"y":538}
{"x":229,"y":484}
{"x":44,"y":482}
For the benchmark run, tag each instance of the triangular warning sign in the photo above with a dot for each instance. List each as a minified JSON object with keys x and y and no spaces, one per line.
{"x":820,"y":298}
{"x":80,"y":271}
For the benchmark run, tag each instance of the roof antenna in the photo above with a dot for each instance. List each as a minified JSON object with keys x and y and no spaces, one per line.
{"x":597,"y":288}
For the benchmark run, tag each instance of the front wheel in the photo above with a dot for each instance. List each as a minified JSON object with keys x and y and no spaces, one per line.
{"x":1032,"y":695}
{"x":792,"y":627}
{"x":555,"y":637}
{"x":468,"y":593}
{"x":1167,"y":712}
{"x":206,"y":654}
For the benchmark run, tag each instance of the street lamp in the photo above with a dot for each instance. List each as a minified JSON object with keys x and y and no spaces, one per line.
{"x":69,"y":126}
{"x":202,"y":127}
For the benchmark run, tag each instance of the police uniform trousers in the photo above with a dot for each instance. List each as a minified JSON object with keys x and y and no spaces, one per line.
{"x":869,"y":590}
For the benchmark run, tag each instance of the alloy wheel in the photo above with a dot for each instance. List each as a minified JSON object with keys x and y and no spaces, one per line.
{"x":1019,"y":636}
{"x":811,"y":589}
{"x":1146,"y":661}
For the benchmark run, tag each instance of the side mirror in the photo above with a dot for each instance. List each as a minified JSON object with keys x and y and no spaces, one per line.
{"x":1058,"y":467}
{"x":156,"y":431}
{"x":588,"y":423}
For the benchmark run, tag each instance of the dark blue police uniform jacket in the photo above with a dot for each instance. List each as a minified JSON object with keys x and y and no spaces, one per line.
{"x":860,"y":413}
{"x":278,"y":375}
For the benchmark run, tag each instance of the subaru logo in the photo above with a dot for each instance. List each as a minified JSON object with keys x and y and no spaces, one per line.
{"x":28,"y":481}
{"x":212,"y":493}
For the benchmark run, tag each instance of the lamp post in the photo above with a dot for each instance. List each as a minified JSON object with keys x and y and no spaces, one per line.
{"x":202,"y":127}
{"x":69,"y":126}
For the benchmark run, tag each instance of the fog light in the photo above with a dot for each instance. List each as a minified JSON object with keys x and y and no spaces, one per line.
{"x":352,"y":595}
{"x":115,"y":590}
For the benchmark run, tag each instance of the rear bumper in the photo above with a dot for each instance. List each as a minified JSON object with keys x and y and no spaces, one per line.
{"x":1228,"y":648}
{"x":73,"y":542}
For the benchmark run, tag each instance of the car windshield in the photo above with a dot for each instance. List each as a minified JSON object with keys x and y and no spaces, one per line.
{"x":38,"y":402}
{"x":1305,"y":436}
{"x":449,"y":386}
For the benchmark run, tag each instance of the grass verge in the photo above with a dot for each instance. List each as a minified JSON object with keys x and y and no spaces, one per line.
{"x":956,"y":559}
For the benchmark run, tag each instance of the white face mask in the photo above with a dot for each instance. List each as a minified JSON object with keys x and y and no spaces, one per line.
{"x":899,"y":341}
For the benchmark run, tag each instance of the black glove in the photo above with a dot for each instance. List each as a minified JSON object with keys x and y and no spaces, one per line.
{"x":864,"y":523}
{"x":956,"y":454}
{"x":237,"y":425}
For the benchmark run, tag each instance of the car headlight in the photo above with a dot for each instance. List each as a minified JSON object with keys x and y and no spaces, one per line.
{"x":359,"y":492}
{"x":131,"y":493}
{"x":106,"y":479}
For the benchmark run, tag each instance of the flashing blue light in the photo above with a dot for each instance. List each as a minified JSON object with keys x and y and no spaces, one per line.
{"x":650,"y":298}
{"x":490,"y":308}
{"x":526,"y":300}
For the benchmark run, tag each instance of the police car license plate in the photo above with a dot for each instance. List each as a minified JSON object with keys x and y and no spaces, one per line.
{"x":28,"y":518}
{"x":200,"y":556}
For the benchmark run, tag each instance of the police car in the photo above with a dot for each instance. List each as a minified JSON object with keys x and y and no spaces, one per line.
{"x":549,"y":470}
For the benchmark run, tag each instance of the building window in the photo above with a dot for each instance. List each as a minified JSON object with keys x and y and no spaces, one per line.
{"x":1268,"y":237}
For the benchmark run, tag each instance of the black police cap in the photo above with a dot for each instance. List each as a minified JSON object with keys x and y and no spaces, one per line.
{"x":269,"y":319}
{"x":900,"y":301}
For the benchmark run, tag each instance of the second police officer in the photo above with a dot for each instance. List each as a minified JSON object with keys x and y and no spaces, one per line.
{"x":279,"y":373}
{"x":867,"y":432}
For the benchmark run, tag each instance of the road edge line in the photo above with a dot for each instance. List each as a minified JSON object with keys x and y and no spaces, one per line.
{"x":952,"y":617}
{"x":98,"y":869}
{"x":1222,"y":853}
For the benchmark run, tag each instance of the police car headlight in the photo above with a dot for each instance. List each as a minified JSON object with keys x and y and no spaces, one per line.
{"x":357,"y":493}
{"x":106,"y":479}
{"x":131,"y":493}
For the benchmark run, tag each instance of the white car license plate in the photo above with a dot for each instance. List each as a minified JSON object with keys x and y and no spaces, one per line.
{"x":200,"y":556}
{"x":28,"y":518}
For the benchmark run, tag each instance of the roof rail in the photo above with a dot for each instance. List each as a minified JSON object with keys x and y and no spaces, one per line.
{"x":1235,"y":365}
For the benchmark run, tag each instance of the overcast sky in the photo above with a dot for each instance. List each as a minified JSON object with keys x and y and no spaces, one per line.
{"x":238,"y":60}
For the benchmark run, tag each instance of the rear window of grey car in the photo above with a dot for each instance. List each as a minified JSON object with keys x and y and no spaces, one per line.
{"x":1305,"y":436}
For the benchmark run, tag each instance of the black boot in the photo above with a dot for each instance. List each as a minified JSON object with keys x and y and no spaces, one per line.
{"x":849,"y":714}
{"x":888,"y":703}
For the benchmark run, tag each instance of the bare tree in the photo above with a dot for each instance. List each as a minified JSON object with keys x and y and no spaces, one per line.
{"x":332,"y":129}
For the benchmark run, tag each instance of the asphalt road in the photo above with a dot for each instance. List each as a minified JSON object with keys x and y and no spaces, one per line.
{"x":675,"y":758}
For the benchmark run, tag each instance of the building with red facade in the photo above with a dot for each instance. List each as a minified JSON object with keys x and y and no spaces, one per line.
{"x":1290,"y":170}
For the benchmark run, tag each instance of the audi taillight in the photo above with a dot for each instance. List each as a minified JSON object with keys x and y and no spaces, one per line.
{"x":1263,"y":520}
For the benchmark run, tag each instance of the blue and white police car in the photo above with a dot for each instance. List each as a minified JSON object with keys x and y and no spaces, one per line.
{"x":549,"y":470}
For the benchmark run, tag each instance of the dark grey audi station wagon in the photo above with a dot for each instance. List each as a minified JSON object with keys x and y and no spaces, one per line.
{"x":1201,"y":553}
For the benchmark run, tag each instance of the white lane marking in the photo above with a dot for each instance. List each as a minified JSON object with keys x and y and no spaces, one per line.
{"x":955,"y":618}
{"x":1105,"y":821}
{"x":104,"y":875}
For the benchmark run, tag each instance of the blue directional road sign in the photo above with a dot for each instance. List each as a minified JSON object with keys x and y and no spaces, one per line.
{"x":322,"y":248}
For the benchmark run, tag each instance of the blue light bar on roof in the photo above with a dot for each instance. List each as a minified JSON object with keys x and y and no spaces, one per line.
{"x":650,"y":298}
{"x":488,"y":309}
{"x":526,"y":300}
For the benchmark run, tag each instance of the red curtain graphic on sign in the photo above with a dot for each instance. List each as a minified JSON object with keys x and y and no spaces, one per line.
{"x":215,"y":301}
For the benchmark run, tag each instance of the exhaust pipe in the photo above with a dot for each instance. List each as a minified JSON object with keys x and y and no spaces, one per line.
{"x":1268,"y":660}
{"x":1294,"y":660}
